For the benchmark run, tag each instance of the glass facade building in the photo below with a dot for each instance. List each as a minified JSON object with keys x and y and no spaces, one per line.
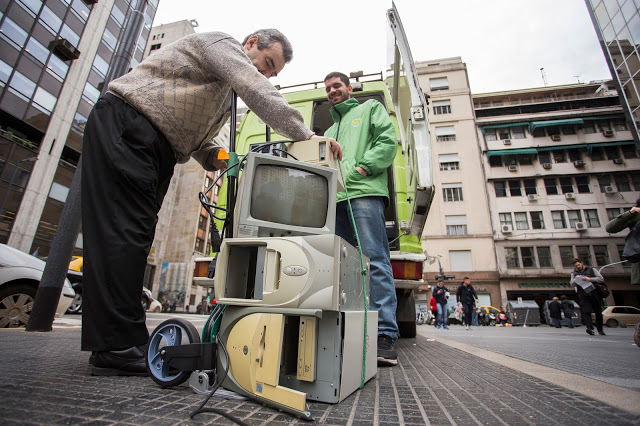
{"x":617,"y":23}
{"x":54,"y":56}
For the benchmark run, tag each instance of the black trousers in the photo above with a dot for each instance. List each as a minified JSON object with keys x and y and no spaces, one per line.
{"x":127,"y":166}
{"x":467,"y":309}
{"x":591,"y":302}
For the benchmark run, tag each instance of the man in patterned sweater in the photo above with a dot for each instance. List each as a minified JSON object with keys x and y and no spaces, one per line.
{"x":164,"y":111}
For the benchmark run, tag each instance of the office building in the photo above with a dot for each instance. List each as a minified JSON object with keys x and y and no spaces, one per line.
{"x":54,"y":57}
{"x":617,"y":24}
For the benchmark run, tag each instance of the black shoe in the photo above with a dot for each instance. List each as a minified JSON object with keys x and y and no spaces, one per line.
{"x":92,"y":357}
{"x":387,"y":354}
{"x":590,"y":331}
{"x":126,"y":362}
{"x":601,"y":332}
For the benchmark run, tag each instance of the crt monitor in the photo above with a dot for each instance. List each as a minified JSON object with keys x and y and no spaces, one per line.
{"x":282,"y":197}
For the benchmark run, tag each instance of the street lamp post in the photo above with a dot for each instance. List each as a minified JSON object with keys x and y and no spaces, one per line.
{"x":13,"y":177}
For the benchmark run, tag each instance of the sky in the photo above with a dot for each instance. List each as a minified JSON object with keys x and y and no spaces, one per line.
{"x":504,"y":43}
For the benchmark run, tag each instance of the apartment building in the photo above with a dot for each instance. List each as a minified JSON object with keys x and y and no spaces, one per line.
{"x":54,"y":57}
{"x":458,"y":230}
{"x":559,"y":163}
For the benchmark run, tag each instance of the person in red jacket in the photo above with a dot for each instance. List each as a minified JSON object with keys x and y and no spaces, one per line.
{"x":434,"y":309}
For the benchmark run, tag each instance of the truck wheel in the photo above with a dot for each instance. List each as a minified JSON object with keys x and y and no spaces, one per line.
{"x":407,"y":329}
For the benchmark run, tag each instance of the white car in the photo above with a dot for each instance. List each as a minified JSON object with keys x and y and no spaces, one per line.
{"x":20,"y":275}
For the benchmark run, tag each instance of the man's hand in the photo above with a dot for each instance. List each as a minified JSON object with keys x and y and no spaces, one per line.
{"x":362,"y":171}
{"x":334,"y":147}
{"x":635,"y":211}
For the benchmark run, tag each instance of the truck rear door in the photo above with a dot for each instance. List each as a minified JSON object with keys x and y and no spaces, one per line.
{"x":411,"y":109}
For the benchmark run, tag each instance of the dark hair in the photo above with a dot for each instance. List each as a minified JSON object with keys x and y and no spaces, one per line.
{"x":563,"y":297}
{"x":268,"y":36}
{"x":576,"y":259}
{"x":466,"y":278}
{"x":341,"y":76}
{"x":638,"y":202}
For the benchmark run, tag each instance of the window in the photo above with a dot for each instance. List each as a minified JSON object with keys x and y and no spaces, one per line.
{"x":591,"y":216}
{"x":495,"y":161}
{"x":452,"y":191}
{"x":504,"y":134}
{"x":544,"y":157}
{"x":521,"y":221}
{"x":584,"y":253}
{"x":528,"y":258}
{"x":13,"y":32}
{"x":574,"y":217}
{"x":199,"y":245}
{"x":438,"y":83}
{"x":613,"y":213}
{"x":90,"y":94}
{"x":155,"y":47}
{"x":514,"y":188}
{"x":101,"y":66}
{"x":604,"y":180}
{"x":530,"y":186}
{"x":456,"y":225}
{"x":33,"y":5}
{"x":588,"y":127}
{"x":525,"y":159}
{"x":538,"y":132}
{"x":517,"y":132}
{"x":58,"y":66}
{"x":566,"y":254}
{"x":582,"y":184}
{"x":620,"y":125}
{"x":602,"y":255}
{"x":551,"y":186}
{"x":460,"y":260}
{"x":45,"y":100}
{"x":558,"y":219}
{"x":622,"y":182}
{"x":490,"y":135}
{"x":449,"y":162}
{"x":544,"y":257}
{"x":38,"y":51}
{"x":597,"y":154}
{"x":629,"y":151}
{"x":574,"y":155}
{"x":22,"y":85}
{"x":559,"y":156}
{"x":635,"y":179}
{"x":505,"y":219}
{"x":443,"y":133}
{"x":109,"y":39}
{"x":442,"y":107}
{"x":566,"y":185}
{"x":500,"y":188}
{"x":118,"y":16}
{"x":537,"y":221}
{"x":5,"y":71}
{"x":568,"y":130}
{"x":511,"y":254}
{"x":70,"y":35}
{"x":51,"y":20}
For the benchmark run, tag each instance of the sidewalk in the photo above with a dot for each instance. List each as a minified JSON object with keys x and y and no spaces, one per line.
{"x":45,"y":380}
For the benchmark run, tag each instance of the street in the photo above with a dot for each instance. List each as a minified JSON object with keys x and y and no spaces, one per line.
{"x":613,"y":358}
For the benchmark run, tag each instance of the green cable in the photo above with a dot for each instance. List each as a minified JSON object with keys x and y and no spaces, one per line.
{"x":363,"y":272}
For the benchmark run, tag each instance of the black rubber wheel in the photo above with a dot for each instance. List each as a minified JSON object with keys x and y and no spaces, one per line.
{"x":172,"y":332}
{"x":76,"y":305}
{"x":16,"y":302}
{"x":407,"y":329}
{"x":612,"y":323}
{"x":145,"y":303}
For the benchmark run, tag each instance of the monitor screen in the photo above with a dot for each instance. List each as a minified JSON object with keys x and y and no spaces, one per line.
{"x":290,"y":196}
{"x":282,"y":197}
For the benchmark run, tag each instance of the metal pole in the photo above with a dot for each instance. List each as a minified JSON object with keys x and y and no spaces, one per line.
{"x":232,"y":174}
{"x":55,"y":272}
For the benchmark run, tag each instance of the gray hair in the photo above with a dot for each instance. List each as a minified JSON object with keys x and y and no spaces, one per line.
{"x":268,"y":36}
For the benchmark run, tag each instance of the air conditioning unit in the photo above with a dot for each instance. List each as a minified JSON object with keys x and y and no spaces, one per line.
{"x":608,"y":133}
{"x":618,"y":161}
{"x":555,"y":138}
{"x":506,"y":229}
{"x":610,"y":189}
{"x":507,"y":141}
{"x":546,"y":165}
{"x":579,"y":163}
{"x":513,"y":168}
{"x":533,"y":197}
{"x":570,"y":196}
{"x":581,"y":226}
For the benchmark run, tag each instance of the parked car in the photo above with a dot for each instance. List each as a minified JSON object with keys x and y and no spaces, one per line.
{"x":20,"y":275}
{"x":75,"y":307}
{"x":612,"y":316}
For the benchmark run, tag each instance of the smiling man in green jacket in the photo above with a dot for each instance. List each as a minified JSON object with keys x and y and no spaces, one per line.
{"x":369,"y":146}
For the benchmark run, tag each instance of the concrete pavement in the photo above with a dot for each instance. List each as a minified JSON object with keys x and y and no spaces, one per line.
{"x":45,"y":380}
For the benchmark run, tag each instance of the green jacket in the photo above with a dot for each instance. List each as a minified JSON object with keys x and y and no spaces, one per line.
{"x":620,"y":223}
{"x":368,"y":140}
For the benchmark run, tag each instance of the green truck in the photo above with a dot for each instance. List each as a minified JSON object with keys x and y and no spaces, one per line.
{"x":410,"y":176}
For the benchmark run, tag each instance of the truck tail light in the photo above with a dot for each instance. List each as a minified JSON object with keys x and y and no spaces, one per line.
{"x":406,"y":269}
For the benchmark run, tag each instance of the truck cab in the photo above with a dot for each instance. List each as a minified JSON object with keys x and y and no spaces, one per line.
{"x":409,"y":177}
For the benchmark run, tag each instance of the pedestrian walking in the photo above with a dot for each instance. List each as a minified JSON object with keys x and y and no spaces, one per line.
{"x":583,"y":278}
{"x":467,"y":298}
{"x":555,"y":312}
{"x":441,"y":296}
{"x":568,"y":308}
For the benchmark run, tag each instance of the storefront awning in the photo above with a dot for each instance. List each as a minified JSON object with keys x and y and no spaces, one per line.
{"x":567,"y":122}
{"x":605,"y":117}
{"x":503,"y":126}
{"x":561,"y":147}
{"x":512,"y":152}
{"x":605,"y":144}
